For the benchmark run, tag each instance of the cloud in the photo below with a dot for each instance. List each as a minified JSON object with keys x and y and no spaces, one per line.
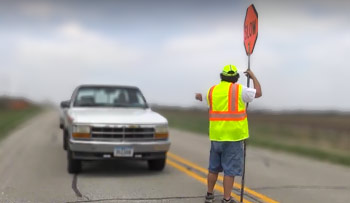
{"x":295,"y":58}
{"x":62,"y":58}
{"x":70,"y":45}
{"x":192,"y":43}
{"x":35,"y":8}
{"x":205,"y":51}
{"x":300,"y":57}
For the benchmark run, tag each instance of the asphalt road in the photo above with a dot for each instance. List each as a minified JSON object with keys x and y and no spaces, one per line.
{"x":33,"y":169}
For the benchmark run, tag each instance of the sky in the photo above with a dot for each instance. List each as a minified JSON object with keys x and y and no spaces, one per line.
{"x":173,"y":49}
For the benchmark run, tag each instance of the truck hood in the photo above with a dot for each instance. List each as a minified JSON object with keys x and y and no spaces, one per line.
{"x":116,"y":116}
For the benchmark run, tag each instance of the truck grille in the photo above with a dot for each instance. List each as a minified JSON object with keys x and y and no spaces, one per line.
{"x":122,"y":133}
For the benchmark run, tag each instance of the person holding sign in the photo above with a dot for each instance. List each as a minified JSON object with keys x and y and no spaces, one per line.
{"x":228,"y":127}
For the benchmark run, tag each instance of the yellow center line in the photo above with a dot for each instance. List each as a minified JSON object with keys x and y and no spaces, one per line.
{"x":201,"y":179}
{"x":221,"y":178}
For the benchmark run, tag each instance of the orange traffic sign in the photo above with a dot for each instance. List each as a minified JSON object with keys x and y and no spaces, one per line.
{"x":250,"y":29}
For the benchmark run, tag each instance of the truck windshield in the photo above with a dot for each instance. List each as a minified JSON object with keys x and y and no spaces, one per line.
{"x":109,"y":97}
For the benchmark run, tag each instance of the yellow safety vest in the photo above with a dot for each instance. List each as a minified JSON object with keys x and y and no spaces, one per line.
{"x":227,"y":113}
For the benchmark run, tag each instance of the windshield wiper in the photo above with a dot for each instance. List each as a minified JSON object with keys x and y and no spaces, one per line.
{"x":121,"y":105}
{"x":86,"y":105}
{"x":129,"y":106}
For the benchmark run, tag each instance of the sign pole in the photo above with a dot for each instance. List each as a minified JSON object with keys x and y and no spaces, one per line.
{"x":250,"y":34}
{"x":244,"y":142}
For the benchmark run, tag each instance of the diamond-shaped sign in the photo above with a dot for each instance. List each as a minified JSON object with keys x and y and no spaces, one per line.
{"x":250,"y":29}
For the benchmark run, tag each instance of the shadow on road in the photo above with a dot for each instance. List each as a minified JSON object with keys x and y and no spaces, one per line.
{"x":117,"y":168}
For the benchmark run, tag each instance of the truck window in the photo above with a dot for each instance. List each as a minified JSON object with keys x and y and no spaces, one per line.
{"x":110,"y":97}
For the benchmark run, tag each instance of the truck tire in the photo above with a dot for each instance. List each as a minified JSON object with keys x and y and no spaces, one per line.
{"x":156,"y":164}
{"x":74,"y":165}
{"x":65,"y":139}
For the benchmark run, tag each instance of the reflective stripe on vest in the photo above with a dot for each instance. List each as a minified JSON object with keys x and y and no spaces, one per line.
{"x":233,"y":113}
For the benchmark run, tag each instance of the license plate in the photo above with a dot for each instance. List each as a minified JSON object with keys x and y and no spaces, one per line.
{"x":123,"y":151}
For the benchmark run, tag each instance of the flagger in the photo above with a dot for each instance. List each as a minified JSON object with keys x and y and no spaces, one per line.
{"x":228,"y":128}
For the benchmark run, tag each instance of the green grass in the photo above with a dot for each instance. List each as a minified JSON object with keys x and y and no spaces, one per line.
{"x":194,"y":121}
{"x":313,"y":152}
{"x":320,"y":136}
{"x":10,"y":119}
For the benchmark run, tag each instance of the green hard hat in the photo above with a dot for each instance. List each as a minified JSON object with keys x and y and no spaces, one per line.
{"x":229,"y":70}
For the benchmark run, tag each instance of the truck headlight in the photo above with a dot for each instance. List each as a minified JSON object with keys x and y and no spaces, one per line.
{"x":161,"y":132}
{"x":81,"y":131}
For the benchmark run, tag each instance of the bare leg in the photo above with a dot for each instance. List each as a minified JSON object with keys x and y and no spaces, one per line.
{"x":228,"y":184}
{"x":212,"y":177}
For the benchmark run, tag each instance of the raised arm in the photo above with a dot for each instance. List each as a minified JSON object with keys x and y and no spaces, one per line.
{"x":256,"y":83}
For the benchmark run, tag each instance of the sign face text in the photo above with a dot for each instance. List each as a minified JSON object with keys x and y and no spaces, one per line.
{"x":250,"y":29}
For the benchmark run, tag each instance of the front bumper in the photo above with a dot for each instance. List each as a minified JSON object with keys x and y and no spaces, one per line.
{"x":94,"y":150}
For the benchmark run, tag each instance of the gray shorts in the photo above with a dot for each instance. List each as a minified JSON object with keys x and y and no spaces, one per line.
{"x":227,"y":157}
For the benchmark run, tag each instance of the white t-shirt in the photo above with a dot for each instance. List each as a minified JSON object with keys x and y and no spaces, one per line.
{"x":248,"y":94}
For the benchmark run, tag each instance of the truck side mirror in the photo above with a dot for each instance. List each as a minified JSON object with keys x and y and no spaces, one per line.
{"x":65,"y":104}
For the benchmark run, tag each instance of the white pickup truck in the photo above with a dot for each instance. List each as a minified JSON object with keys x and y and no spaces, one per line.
{"x":112,"y":122}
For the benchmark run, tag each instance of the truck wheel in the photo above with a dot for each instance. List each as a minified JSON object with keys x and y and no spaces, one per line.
{"x":74,"y":165}
{"x":65,"y":139}
{"x":156,"y":164}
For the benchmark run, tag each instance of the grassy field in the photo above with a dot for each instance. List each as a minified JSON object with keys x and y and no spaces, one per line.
{"x":10,"y":118}
{"x":324,"y":136}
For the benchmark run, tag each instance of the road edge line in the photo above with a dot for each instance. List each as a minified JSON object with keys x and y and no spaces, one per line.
{"x":201,"y":179}
{"x":220,"y":177}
